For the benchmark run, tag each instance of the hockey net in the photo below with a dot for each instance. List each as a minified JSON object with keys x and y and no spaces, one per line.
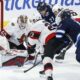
{"x":1,"y":14}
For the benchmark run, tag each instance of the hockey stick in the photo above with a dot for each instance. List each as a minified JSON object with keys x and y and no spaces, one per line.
{"x":32,"y":67}
{"x":34,"y":64}
{"x":36,"y":56}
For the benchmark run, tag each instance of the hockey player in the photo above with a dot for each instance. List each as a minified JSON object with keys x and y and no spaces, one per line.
{"x":57,"y":9}
{"x":46,"y":12}
{"x":49,"y":15}
{"x":70,"y":27}
{"x":16,"y":32}
{"x":42,"y":34}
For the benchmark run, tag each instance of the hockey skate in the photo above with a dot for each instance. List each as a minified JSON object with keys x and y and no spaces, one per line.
{"x":49,"y":78}
{"x":60,"y":57}
{"x":42,"y":73}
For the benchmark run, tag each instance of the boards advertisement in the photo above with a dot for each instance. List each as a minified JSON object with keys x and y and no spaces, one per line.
{"x":13,"y":8}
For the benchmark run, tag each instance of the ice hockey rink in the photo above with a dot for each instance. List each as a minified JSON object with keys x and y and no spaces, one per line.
{"x":68,"y":70}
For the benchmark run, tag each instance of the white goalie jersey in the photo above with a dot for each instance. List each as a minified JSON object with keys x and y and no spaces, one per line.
{"x":16,"y":32}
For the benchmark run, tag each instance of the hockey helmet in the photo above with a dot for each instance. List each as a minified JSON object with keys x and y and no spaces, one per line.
{"x":41,"y":6}
{"x":56,"y":8}
{"x":65,"y":14}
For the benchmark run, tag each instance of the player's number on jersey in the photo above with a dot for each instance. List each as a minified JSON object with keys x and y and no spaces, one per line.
{"x":51,"y":19}
{"x":31,"y":34}
{"x":48,"y":26}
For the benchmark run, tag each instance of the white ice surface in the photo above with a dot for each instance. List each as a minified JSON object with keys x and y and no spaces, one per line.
{"x":68,"y":70}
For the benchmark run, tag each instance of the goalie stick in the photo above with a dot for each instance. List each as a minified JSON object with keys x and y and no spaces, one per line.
{"x":26,"y":59}
{"x":34,"y":64}
{"x":22,"y":69}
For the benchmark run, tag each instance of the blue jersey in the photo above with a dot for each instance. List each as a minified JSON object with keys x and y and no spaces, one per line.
{"x":49,"y":17}
{"x":70,"y":27}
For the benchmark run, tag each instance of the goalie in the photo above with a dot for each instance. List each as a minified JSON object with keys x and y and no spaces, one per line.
{"x":16,"y":32}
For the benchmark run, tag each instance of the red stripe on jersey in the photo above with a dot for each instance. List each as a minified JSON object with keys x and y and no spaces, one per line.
{"x":4,"y":33}
{"x":77,"y":19}
{"x":34,"y":34}
{"x":50,"y":36}
{"x":22,"y":38}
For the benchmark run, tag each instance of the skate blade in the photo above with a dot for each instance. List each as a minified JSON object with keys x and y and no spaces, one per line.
{"x":22,"y":69}
{"x":42,"y":75}
{"x":59,"y":61}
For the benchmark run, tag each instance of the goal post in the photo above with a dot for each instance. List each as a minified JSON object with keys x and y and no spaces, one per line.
{"x":1,"y":15}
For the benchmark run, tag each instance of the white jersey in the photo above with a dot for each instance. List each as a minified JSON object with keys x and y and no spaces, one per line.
{"x":40,"y":34}
{"x":40,"y":31}
{"x":16,"y":32}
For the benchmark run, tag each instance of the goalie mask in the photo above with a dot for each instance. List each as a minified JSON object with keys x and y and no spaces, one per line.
{"x":22,"y":21}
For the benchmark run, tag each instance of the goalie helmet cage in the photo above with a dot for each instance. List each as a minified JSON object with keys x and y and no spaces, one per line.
{"x":1,"y":15}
